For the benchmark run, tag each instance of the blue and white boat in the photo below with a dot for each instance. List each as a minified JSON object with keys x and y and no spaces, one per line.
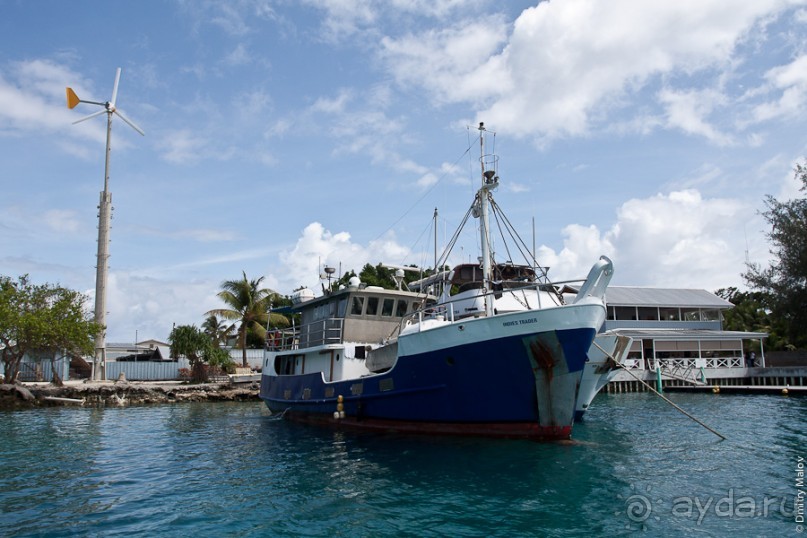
{"x":503,"y":355}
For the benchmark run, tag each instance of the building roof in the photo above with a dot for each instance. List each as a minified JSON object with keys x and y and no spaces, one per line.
{"x":688,"y":334}
{"x":664,"y":297}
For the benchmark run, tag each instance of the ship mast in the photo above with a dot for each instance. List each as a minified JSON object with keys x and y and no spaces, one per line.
{"x":489,"y":182}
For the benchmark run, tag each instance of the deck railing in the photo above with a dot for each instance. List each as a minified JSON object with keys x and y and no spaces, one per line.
{"x":316,"y":333}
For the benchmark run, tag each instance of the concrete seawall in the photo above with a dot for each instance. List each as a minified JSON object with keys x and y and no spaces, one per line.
{"x":116,"y":394}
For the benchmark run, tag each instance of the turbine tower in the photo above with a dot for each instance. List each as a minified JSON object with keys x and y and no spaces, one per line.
{"x":104,"y":216}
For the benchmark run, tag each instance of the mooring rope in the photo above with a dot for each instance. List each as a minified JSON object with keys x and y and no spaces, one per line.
{"x":656,"y":392}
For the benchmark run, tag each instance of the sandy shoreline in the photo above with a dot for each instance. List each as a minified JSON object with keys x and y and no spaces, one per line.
{"x":117,"y":394}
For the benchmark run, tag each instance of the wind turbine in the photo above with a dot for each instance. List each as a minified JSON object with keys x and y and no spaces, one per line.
{"x":104,"y":216}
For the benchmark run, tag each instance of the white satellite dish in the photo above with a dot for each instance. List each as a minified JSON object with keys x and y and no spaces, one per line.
{"x":104,"y":215}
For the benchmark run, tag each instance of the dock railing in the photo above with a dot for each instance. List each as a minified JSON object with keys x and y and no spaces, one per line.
{"x":682,"y":364}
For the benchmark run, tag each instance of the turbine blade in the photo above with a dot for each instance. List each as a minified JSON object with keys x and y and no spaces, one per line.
{"x":132,"y":125}
{"x":115,"y":87}
{"x":85,"y":118}
{"x":72,"y":99}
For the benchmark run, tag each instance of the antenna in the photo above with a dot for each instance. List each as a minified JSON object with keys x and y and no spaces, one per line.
{"x":745,"y":232}
{"x":104,"y":216}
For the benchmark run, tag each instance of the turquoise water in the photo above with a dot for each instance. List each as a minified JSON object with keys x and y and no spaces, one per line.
{"x":230,"y":469}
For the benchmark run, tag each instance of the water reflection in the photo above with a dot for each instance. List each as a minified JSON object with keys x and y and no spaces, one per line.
{"x":231,"y":469}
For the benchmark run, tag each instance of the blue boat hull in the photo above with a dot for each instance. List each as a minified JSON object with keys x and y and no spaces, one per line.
{"x":513,"y":386}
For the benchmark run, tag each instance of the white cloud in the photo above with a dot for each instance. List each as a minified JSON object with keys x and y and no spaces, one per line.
{"x":33,"y":97}
{"x":153,"y":305}
{"x":360,"y":125}
{"x":434,"y":8}
{"x":513,"y":186}
{"x":447,"y":171}
{"x":347,"y":18}
{"x":183,"y":146}
{"x":62,"y":220}
{"x":238,"y":56}
{"x":426,"y":180}
{"x":566,"y":64}
{"x":335,"y":105}
{"x":254,"y":102}
{"x":344,"y":18}
{"x":455,"y":64}
{"x":279,"y":127}
{"x":317,"y":247}
{"x":678,"y":239}
{"x":791,"y":82}
{"x":687,"y":110}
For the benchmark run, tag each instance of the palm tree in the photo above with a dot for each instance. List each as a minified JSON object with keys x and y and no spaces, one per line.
{"x":249,"y":306}
{"x":218,"y":329}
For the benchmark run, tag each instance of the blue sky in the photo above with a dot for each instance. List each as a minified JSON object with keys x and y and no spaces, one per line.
{"x":281,"y":134}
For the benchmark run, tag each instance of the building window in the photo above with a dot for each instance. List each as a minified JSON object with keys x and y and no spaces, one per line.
{"x":624,"y":313}
{"x":647,"y":313}
{"x":669,"y":314}
{"x":690,"y":314}
{"x":711,"y":315}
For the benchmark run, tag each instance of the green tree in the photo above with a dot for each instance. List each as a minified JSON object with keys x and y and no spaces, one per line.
{"x":42,"y":320}
{"x":195,"y":345}
{"x":220,"y":358}
{"x":248,"y":306}
{"x":784,"y":282}
{"x":751,"y":314}
{"x":378,"y":276}
{"x":381,"y":276}
{"x":217,"y":329}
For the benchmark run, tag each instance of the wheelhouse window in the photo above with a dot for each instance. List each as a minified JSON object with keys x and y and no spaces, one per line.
{"x":372,"y":306}
{"x":400,"y":310}
{"x":324,"y":311}
{"x":387,"y":307}
{"x":357,"y":305}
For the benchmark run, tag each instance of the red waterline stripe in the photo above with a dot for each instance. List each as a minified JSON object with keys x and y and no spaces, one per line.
{"x":510,"y":430}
